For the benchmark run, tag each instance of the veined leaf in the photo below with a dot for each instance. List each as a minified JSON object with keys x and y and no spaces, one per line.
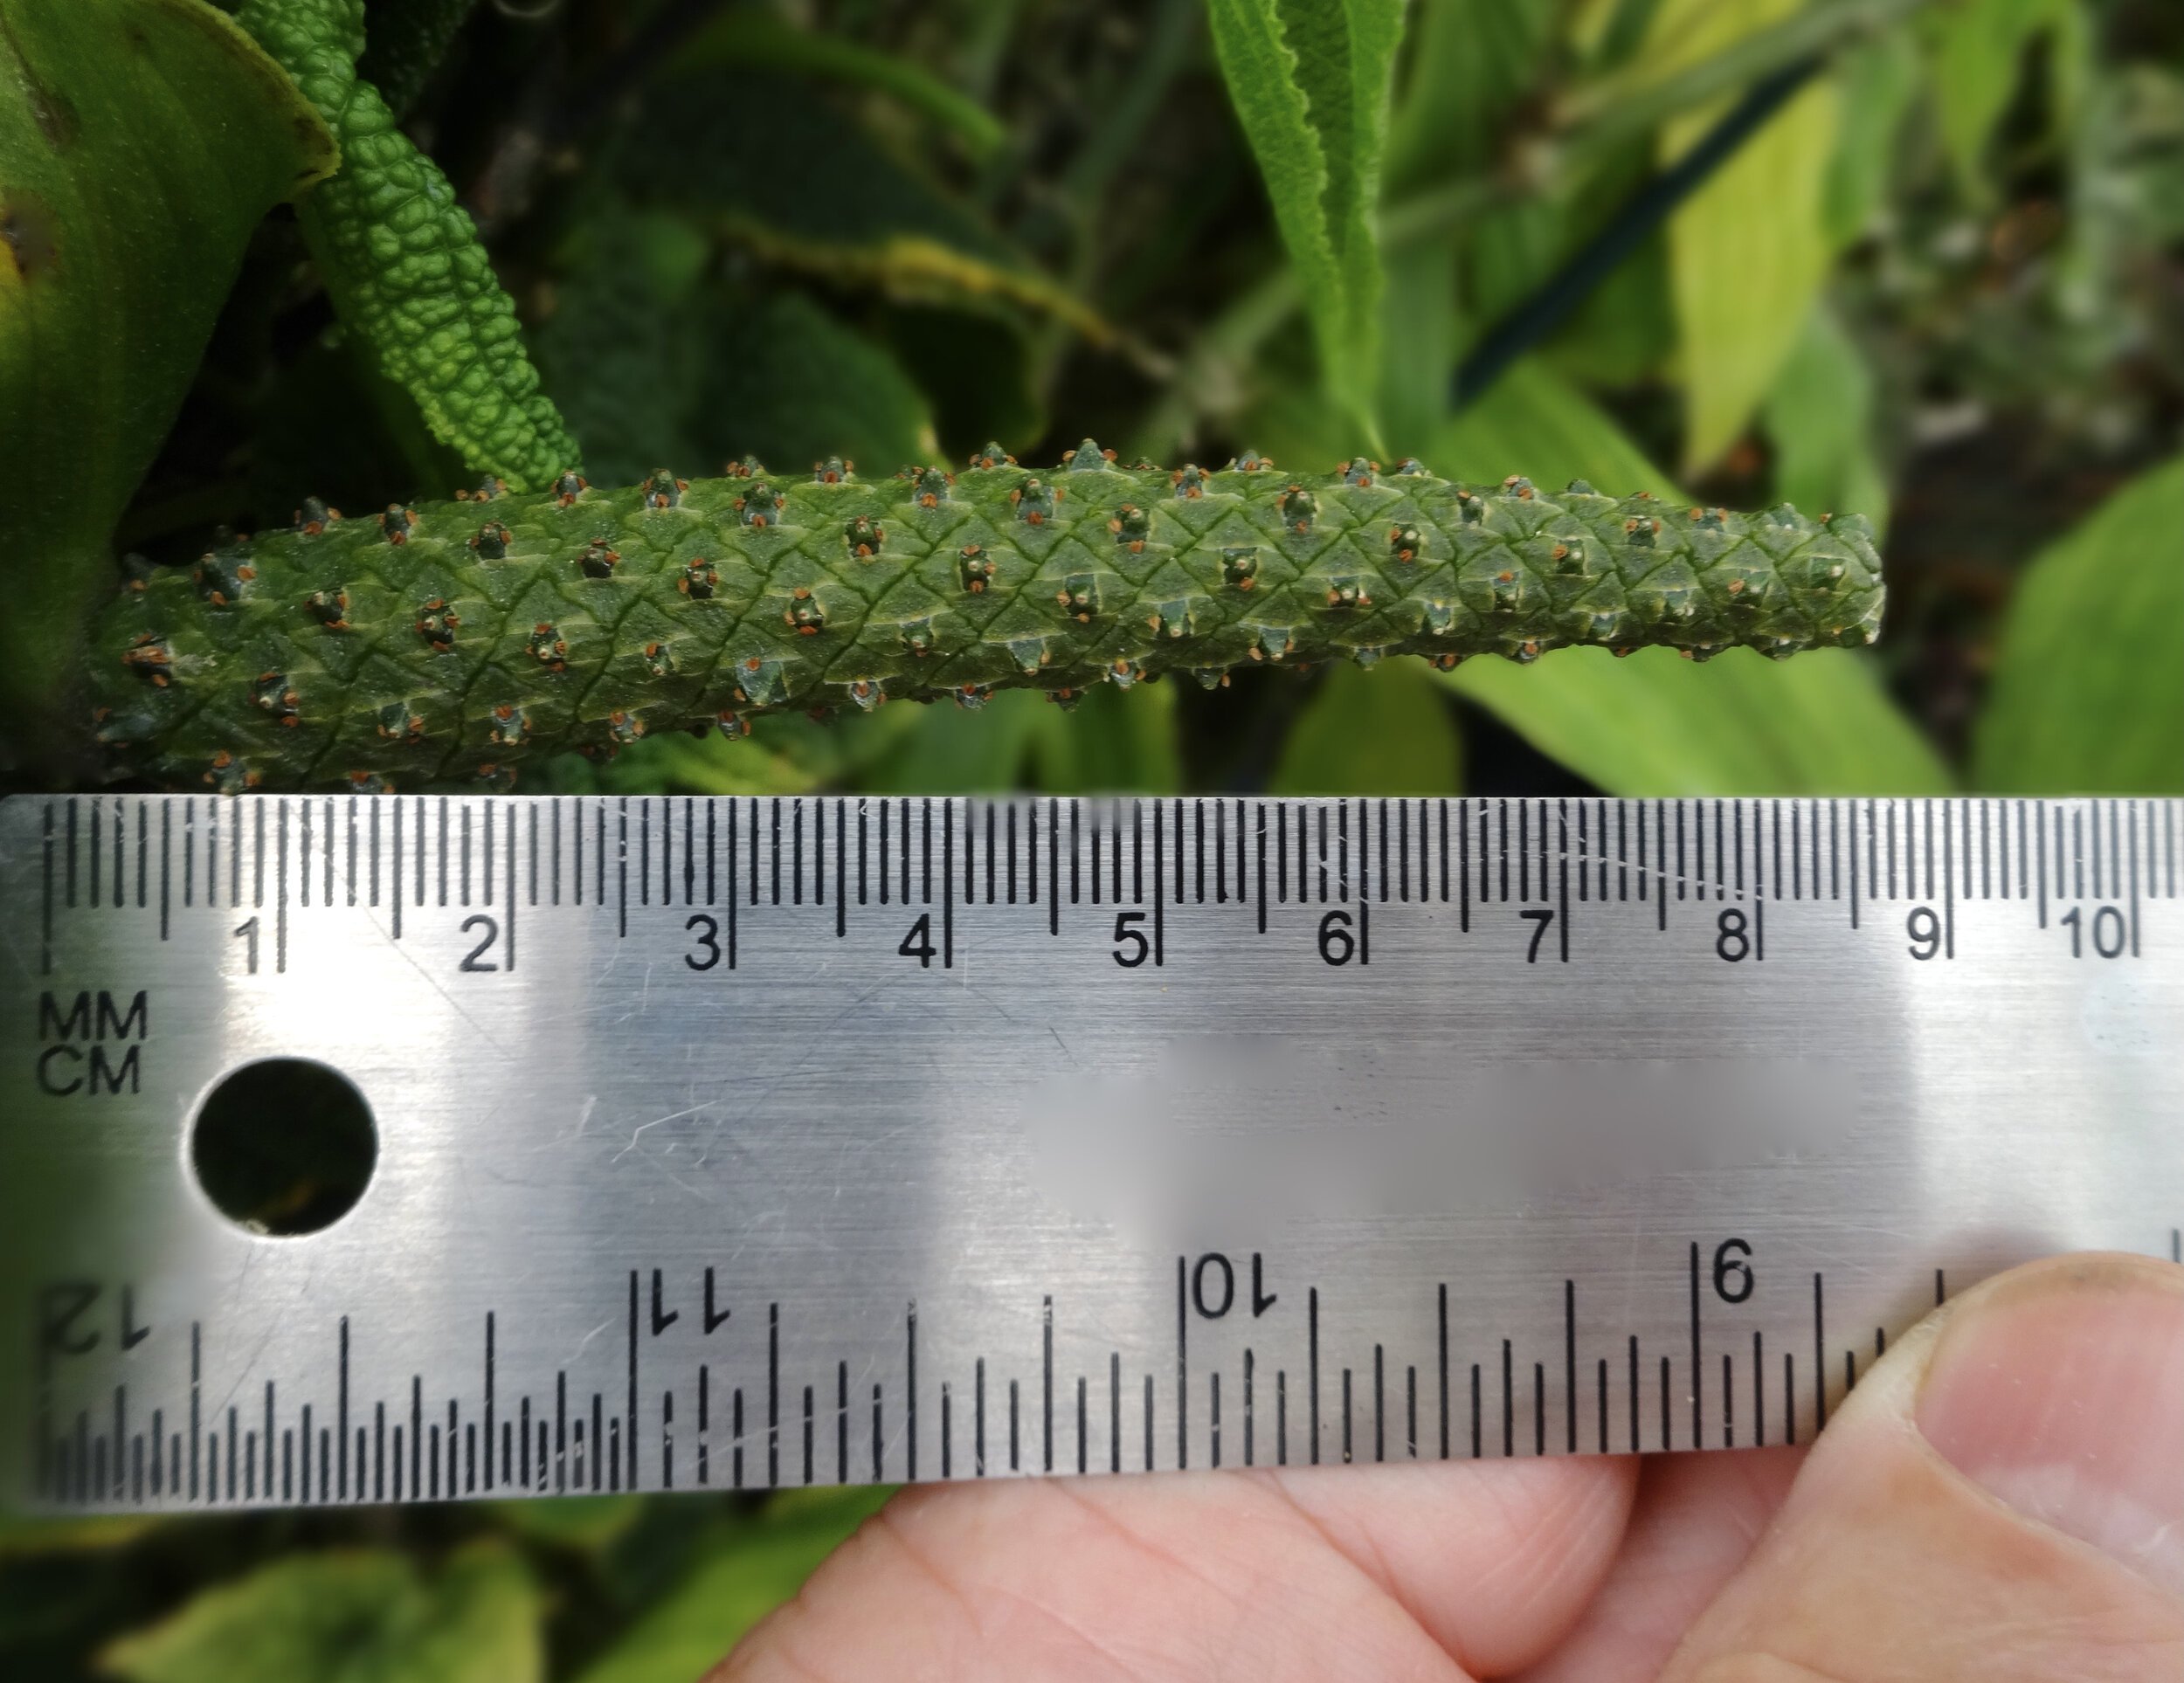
{"x":364,"y":1616}
{"x":1388,"y":731}
{"x":1310,"y":80}
{"x":141,"y":141}
{"x":2089,"y":688}
{"x":1739,"y":725}
{"x":1749,"y":250}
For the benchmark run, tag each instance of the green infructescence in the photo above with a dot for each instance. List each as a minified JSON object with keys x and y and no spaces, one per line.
{"x":450,"y":641}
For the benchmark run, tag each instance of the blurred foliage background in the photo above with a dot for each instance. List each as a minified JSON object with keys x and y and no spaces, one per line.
{"x":1925,"y":261}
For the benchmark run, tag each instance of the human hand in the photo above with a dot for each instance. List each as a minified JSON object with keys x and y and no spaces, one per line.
{"x":2000,"y":1498}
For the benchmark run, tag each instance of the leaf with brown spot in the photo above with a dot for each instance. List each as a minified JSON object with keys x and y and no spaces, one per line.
{"x":141,"y":141}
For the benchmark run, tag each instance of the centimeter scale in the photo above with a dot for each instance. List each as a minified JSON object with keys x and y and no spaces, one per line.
{"x":735,"y":1144}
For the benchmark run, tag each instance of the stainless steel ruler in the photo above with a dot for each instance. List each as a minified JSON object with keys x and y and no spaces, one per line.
{"x":745,"y":1143}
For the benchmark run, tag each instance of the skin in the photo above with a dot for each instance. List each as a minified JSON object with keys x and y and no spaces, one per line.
{"x":2001,"y":1499}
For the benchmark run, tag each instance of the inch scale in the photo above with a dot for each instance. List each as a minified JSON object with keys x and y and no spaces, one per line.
{"x":745,"y":1143}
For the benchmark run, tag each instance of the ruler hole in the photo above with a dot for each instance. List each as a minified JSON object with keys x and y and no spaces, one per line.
{"x":284,"y":1145}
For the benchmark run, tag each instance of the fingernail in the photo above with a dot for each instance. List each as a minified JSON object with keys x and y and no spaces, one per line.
{"x":2063,"y":1395}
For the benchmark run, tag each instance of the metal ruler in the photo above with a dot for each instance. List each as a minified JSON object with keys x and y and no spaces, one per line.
{"x":735,"y":1143}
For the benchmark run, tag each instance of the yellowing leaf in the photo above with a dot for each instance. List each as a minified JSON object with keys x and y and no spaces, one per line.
{"x":1749,"y":250}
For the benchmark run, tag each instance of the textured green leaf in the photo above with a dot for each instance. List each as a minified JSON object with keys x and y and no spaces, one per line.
{"x":1310,"y":80}
{"x":1389,"y":731}
{"x":1748,"y":250}
{"x":742,"y":1574}
{"x":361,"y":1616}
{"x":141,"y":141}
{"x":623,"y":353}
{"x":402,"y":263}
{"x":2088,"y":686}
{"x":1654,"y":724}
{"x":1819,"y":416}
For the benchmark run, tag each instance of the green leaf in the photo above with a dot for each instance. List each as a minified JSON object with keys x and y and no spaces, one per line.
{"x":1654,"y":725}
{"x":407,"y":39}
{"x":361,"y":1615}
{"x":582,"y":1524}
{"x":1388,"y":731}
{"x":750,"y":39}
{"x":616,"y":352}
{"x":1310,"y":81}
{"x":1819,"y":416}
{"x":1880,"y":80}
{"x":1117,"y":742}
{"x":1470,"y":63}
{"x":788,"y":383}
{"x":141,"y":141}
{"x":743,"y":153}
{"x":1748,"y":250}
{"x":2088,"y":686}
{"x":787,"y":754}
{"x":745,"y":1572}
{"x":1979,"y":60}
{"x":402,"y":263}
{"x":950,"y":751}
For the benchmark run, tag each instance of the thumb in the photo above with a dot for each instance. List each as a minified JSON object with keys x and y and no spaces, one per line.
{"x":2003,"y":1497}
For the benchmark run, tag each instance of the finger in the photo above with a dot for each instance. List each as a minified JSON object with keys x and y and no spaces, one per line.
{"x":1696,"y":1519}
{"x":1435,"y":1571}
{"x":2002,"y":1498}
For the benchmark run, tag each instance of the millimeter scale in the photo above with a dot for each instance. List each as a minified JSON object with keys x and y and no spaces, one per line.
{"x":725,"y":1143}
